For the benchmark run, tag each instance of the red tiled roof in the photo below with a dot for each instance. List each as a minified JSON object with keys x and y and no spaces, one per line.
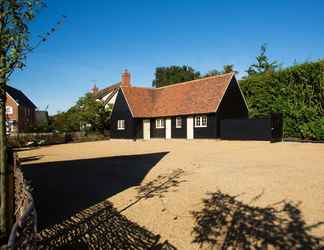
{"x":193,"y":97}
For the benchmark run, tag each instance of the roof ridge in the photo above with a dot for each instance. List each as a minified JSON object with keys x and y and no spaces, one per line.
{"x":179,"y":83}
{"x":110,"y":86}
{"x":138,"y":87}
{"x":197,"y":80}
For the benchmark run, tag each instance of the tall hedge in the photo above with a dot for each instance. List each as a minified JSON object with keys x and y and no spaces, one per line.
{"x":297,"y":92}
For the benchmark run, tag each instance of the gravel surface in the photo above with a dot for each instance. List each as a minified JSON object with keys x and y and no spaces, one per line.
{"x":263,"y":193}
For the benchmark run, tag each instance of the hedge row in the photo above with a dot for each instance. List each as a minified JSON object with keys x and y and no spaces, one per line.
{"x":297,"y":92}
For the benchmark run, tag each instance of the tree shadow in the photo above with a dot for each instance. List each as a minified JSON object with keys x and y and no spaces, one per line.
{"x":64,"y":188}
{"x":160,"y":185}
{"x":100,"y":227}
{"x":227,"y":223}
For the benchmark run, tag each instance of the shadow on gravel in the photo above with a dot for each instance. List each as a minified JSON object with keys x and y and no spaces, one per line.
{"x":227,"y":223}
{"x":160,"y":185}
{"x":64,"y":188}
{"x":100,"y":227}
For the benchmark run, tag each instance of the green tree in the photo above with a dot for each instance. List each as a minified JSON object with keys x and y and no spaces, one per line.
{"x":93,"y":113}
{"x":296,"y":91}
{"x":15,"y":15}
{"x":169,"y":75}
{"x":213,"y":72}
{"x":227,"y":68}
{"x":263,"y":63}
{"x":87,"y":114}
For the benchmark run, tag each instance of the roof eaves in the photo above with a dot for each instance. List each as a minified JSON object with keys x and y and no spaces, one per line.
{"x":13,"y":99}
{"x":238,"y":84}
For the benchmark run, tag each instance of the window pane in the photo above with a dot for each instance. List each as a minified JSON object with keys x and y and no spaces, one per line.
{"x":9,"y":110}
{"x":198,"y":120}
{"x":120,"y":124}
{"x":178,"y":122}
{"x":204,"y":121}
{"x":159,"y":123}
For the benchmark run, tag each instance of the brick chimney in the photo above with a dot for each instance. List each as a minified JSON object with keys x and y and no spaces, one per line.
{"x":94,"y":89}
{"x":126,"y":77}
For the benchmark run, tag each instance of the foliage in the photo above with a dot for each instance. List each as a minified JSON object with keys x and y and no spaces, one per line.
{"x":86,"y":114}
{"x":173,"y":74}
{"x":14,"y":45}
{"x":263,"y":64}
{"x":14,"y":36}
{"x":213,"y":72}
{"x":297,"y":92}
{"x":169,"y":75}
{"x":40,"y":128}
{"x":227,"y":68}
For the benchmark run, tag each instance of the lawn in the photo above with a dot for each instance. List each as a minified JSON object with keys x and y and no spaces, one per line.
{"x":201,"y":193}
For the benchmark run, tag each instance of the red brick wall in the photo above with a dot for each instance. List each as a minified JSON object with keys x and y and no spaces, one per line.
{"x":15,"y":110}
{"x":24,"y":116}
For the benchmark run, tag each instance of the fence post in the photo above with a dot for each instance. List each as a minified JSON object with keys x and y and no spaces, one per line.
{"x":276,"y":127}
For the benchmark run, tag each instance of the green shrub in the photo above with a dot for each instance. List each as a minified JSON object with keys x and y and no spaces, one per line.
{"x":297,"y":92}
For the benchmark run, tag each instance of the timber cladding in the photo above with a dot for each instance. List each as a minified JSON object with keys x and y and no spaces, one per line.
{"x":218,"y":98}
{"x":179,"y":132}
{"x":122,"y":112}
{"x":246,"y":129}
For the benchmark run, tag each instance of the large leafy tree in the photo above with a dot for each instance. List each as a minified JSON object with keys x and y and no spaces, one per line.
{"x":263,"y":63}
{"x":173,"y":74}
{"x":15,"y":16}
{"x":87,"y":113}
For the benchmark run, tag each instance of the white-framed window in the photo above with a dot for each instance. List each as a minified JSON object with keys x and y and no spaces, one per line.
{"x":9,"y":110}
{"x":121,"y":124}
{"x":178,"y":122}
{"x":159,"y":123}
{"x":201,"y":121}
{"x":10,"y":126}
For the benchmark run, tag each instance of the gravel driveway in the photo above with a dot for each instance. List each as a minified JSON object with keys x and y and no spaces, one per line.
{"x":200,"y":193}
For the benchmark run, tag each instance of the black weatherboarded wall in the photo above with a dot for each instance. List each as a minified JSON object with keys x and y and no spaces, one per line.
{"x":122,"y":112}
{"x":246,"y":129}
{"x":207,"y":132}
{"x":156,"y":132}
{"x":179,"y":132}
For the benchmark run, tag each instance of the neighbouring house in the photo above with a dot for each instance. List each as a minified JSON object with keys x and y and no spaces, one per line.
{"x":192,"y":109}
{"x":107,"y":95}
{"x":20,"y":111}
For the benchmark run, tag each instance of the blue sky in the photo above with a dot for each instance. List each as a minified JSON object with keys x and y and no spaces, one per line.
{"x":100,"y":38}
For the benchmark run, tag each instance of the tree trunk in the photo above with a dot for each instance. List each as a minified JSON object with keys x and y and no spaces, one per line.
{"x":4,"y":216}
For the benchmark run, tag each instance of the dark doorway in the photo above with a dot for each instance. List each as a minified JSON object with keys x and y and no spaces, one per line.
{"x":64,"y":188}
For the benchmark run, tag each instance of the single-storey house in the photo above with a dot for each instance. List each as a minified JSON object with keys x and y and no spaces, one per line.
{"x":192,"y":109}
